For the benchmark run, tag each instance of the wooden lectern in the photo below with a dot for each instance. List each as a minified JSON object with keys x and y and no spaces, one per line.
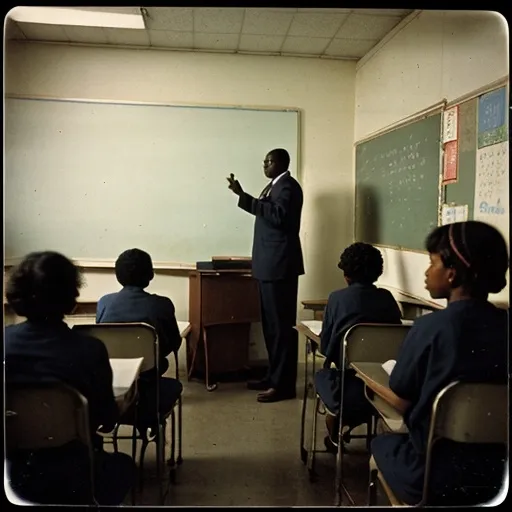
{"x":222,"y":306}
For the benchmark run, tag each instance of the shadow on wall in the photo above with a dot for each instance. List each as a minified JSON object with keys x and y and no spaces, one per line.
{"x":331,"y":231}
{"x":367,"y":218}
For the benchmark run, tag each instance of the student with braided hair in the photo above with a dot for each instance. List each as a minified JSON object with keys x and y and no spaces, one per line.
{"x":466,"y":341}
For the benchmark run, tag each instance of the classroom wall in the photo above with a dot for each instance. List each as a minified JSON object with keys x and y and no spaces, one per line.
{"x":322,"y":89}
{"x":437,"y":55}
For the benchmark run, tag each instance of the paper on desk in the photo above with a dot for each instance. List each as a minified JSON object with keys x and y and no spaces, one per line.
{"x":315,"y":326}
{"x":125,"y":371}
{"x":388,"y":366}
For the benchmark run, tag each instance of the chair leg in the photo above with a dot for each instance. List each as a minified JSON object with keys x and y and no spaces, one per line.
{"x":312,"y":449}
{"x":160,"y":456}
{"x":134,"y":454}
{"x":372,"y":488}
{"x":145,"y":443}
{"x":172,"y":460}
{"x":209,"y":387}
{"x":180,"y":431}
{"x":114,"y":438}
{"x":303,"y":451}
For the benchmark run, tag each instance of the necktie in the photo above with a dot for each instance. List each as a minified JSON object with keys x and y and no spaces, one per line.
{"x":266,"y":191}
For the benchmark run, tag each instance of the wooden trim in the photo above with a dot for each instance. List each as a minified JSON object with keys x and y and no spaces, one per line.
{"x":497,"y":84}
{"x":34,"y":97}
{"x":437,"y":108}
{"x":110,"y":264}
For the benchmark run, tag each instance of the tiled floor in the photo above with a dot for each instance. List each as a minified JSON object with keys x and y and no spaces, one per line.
{"x":238,"y":452}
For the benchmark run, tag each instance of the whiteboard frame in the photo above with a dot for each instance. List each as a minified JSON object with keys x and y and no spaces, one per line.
{"x":157,"y":265}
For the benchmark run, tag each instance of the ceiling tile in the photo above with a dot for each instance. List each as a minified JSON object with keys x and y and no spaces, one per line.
{"x":350,"y":47}
{"x":316,"y":24}
{"x":252,"y":43}
{"x":43,"y":32}
{"x":12,"y":30}
{"x":127,"y":36}
{"x":216,"y":41}
{"x":305,"y":45}
{"x":266,"y":22}
{"x":218,"y":21}
{"x":94,"y":35}
{"x":171,"y":39}
{"x":360,"y":26}
{"x":170,"y":18}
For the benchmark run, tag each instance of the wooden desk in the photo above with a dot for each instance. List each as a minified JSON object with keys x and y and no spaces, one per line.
{"x":317,"y":306}
{"x":373,"y":373}
{"x":311,"y":331}
{"x":222,"y":306}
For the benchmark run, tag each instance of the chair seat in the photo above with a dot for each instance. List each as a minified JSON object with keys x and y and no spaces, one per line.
{"x":170,"y":393}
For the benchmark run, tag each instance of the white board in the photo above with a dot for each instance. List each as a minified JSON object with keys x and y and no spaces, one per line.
{"x":92,"y":179}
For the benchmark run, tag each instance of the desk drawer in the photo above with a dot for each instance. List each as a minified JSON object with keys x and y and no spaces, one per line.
{"x":229,"y":299}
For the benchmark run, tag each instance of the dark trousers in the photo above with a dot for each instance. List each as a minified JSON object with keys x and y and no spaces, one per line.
{"x":278,"y":315}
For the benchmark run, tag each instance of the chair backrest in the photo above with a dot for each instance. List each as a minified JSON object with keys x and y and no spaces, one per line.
{"x":471,"y":413}
{"x":467,"y":412}
{"x":374,"y":343}
{"x":126,"y":341}
{"x":44,"y":415}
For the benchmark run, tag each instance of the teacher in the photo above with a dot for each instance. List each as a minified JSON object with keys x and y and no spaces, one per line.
{"x":276,"y":264}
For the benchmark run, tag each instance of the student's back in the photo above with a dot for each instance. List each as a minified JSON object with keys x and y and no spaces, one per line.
{"x":134,"y":271}
{"x":37,"y":351}
{"x":358,"y":303}
{"x":133,"y":304}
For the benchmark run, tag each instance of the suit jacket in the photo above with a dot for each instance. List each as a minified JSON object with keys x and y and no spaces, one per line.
{"x":276,"y":249}
{"x":133,"y":304}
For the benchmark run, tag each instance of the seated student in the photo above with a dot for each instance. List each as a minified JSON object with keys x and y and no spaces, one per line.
{"x":44,"y":288}
{"x":466,"y":341}
{"x":134,"y":271}
{"x":360,"y":302}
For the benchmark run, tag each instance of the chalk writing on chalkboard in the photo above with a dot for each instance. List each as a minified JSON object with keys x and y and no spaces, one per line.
{"x":491,"y":118}
{"x":491,"y":186}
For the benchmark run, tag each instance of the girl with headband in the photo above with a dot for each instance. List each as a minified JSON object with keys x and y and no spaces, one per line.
{"x":465,"y":341}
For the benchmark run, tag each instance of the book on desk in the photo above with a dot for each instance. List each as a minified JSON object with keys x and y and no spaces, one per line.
{"x":226,"y":263}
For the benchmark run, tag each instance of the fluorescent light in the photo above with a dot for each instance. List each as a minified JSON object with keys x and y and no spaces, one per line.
{"x":78,"y":16}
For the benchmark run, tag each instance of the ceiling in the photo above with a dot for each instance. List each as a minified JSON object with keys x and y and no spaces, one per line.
{"x":326,"y":33}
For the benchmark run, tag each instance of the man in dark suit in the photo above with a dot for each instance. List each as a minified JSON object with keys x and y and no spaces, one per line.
{"x":276,"y":264}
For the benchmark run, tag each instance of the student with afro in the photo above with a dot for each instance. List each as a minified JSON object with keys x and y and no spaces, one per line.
{"x":360,"y":302}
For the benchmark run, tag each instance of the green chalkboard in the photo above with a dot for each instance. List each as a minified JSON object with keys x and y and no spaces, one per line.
{"x":463,"y":191}
{"x":397,"y":185}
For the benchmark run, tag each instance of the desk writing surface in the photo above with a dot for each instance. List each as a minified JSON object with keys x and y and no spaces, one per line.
{"x":184,"y":328}
{"x":372,"y":372}
{"x":315,"y":326}
{"x":124,"y":373}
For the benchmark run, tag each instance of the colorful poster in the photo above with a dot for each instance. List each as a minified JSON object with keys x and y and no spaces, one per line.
{"x":491,"y":187}
{"x":492,"y":109}
{"x":450,"y":124}
{"x":450,"y":162}
{"x":451,"y":214}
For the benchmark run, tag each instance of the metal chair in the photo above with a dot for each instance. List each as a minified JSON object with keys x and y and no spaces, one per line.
{"x":47,"y":415}
{"x":130,"y":340}
{"x":362,"y":342}
{"x":464,"y":413}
